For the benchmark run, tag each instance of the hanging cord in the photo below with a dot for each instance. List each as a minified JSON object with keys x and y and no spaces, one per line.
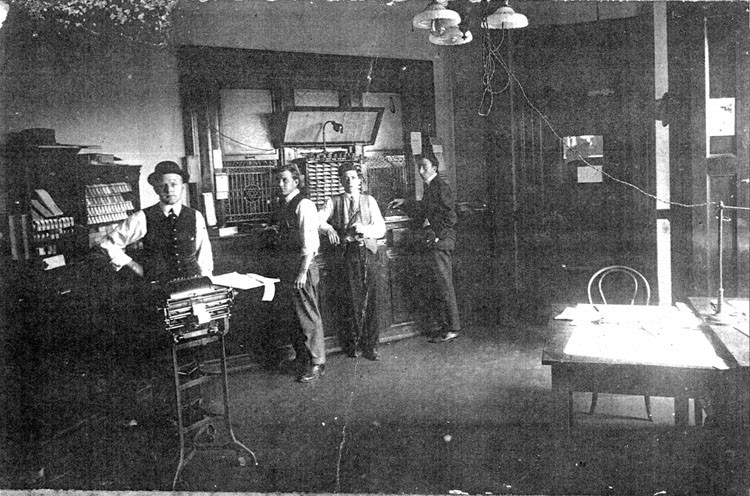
{"x":512,"y":76}
{"x":489,"y":54}
{"x":240,"y":142}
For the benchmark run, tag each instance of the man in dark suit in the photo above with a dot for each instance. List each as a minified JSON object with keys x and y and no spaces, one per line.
{"x":436,"y":217}
{"x":176,"y":245}
{"x":175,"y":238}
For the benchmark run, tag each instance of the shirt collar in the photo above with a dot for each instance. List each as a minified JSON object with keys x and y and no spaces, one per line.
{"x":291,"y":195}
{"x":166,"y":208}
{"x":429,"y":179}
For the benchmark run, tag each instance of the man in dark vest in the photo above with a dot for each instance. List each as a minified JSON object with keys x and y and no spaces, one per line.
{"x":175,"y":238}
{"x":297,"y":242}
{"x":436,"y":217}
{"x":353,"y":223}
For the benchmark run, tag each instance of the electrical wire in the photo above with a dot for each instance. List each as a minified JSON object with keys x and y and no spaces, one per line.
{"x":512,"y":76}
{"x":222,"y":135}
{"x":489,"y":54}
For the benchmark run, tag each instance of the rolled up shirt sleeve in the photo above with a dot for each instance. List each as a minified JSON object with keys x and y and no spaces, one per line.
{"x":127,"y":232}
{"x":308,"y":219}
{"x":376,"y":228}
{"x":324,"y":214}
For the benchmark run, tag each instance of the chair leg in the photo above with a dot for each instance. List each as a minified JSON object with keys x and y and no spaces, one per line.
{"x":648,"y":408}
{"x":594,"y":398}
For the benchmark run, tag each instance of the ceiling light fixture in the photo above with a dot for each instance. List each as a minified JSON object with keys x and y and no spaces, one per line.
{"x":436,"y":17}
{"x":506,"y":18}
{"x":452,"y":36}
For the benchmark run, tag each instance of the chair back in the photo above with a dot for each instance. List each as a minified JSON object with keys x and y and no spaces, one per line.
{"x":632,"y":278}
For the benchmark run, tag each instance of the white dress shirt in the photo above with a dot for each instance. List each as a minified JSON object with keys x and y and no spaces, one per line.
{"x":133,"y":229}
{"x":375,"y":229}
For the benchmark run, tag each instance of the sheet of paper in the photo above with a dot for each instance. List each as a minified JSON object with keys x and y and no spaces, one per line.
{"x":48,"y":202}
{"x":590,"y":174}
{"x":208,"y":204}
{"x":247,"y":281}
{"x":653,"y":316}
{"x":416,"y":142}
{"x":580,"y":313}
{"x":675,"y":347}
{"x":222,"y":186}
{"x":720,"y":117}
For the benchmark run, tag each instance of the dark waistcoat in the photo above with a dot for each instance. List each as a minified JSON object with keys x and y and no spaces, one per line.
{"x":290,"y":240}
{"x":170,"y":250}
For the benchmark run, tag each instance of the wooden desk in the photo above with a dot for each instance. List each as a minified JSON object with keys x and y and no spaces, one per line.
{"x":734,"y":331}
{"x":634,"y":350}
{"x":731,"y":404}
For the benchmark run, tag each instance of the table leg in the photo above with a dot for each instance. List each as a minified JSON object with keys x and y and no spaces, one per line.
{"x":681,"y":411}
{"x":562,"y":401}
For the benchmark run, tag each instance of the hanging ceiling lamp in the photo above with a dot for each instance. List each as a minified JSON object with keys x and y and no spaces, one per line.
{"x":436,"y":17}
{"x":451,"y":35}
{"x":506,"y":18}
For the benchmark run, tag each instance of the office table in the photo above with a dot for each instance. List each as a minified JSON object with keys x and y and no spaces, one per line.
{"x":732,"y":406}
{"x":734,"y":329}
{"x":633,"y":350}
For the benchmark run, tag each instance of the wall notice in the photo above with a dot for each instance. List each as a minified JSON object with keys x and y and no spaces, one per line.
{"x":720,"y":117}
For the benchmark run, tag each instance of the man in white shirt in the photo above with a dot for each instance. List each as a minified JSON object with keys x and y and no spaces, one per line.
{"x":296,"y":223}
{"x":353,"y":223}
{"x":175,"y":238}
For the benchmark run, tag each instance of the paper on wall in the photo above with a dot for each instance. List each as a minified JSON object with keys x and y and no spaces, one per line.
{"x":416,"y":143}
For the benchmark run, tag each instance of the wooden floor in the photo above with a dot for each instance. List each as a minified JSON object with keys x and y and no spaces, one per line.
{"x":471,"y":415}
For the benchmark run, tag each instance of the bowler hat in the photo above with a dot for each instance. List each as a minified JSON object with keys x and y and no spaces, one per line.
{"x":167,"y":167}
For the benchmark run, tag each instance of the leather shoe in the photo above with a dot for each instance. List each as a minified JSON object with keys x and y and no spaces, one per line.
{"x":371,"y":355}
{"x":313,"y":373}
{"x":353,"y":353}
{"x":445,"y":337}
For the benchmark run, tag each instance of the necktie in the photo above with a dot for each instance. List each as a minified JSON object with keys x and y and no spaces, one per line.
{"x":352,"y":209}
{"x":172,"y":217}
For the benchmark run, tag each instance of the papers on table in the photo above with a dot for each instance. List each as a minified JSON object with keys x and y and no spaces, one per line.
{"x":247,"y":281}
{"x":653,"y":316}
{"x":649,"y":334}
{"x":672,"y":347}
{"x":580,"y":313}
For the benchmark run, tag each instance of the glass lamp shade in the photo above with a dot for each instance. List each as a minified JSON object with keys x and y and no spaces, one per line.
{"x":435,"y":10}
{"x":452,"y":36}
{"x":438,"y":27}
{"x":506,"y":18}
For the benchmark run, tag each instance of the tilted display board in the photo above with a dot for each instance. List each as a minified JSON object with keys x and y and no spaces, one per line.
{"x":304,"y":126}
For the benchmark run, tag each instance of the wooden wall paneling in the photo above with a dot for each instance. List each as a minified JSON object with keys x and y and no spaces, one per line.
{"x":742,"y":183}
{"x":718,"y":176}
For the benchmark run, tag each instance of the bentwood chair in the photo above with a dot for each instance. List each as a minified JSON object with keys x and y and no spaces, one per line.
{"x":618,"y":280}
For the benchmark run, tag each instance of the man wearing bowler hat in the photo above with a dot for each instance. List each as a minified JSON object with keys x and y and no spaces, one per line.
{"x":175,"y":238}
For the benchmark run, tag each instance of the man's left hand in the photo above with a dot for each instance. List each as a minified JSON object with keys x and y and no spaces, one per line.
{"x":430,"y":238}
{"x":300,"y":281}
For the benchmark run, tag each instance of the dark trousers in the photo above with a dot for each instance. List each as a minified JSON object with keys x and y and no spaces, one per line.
{"x":362,"y":272}
{"x":442,"y":295}
{"x":299,"y":317}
